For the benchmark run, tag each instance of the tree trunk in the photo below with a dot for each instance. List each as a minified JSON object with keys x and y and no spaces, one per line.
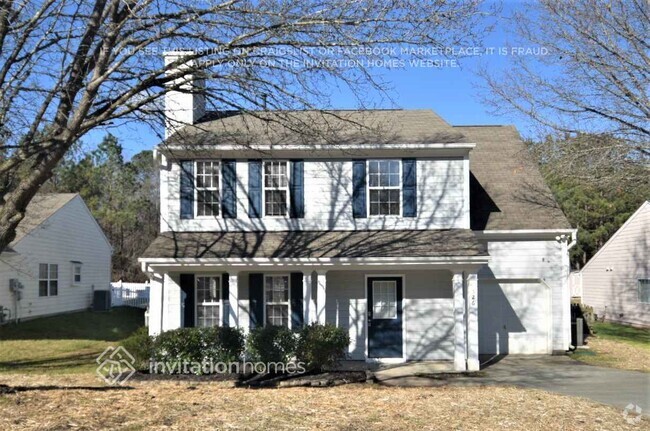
{"x":14,"y":203}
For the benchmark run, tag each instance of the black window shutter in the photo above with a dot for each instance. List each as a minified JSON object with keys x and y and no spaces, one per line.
{"x":225,"y":295}
{"x":187,"y":189}
{"x":359,"y":189}
{"x":254,"y":188}
{"x":256,"y":299}
{"x":409,"y":188}
{"x":229,"y":188}
{"x":187,"y":286}
{"x":297,"y":310}
{"x":297,"y":189}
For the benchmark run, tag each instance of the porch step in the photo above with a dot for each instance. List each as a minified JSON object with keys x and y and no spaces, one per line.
{"x":386,"y":373}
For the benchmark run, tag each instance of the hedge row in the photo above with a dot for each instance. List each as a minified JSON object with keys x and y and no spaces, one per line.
{"x":316,"y":347}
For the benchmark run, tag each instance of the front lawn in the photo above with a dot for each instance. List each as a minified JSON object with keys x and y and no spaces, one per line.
{"x":33,"y":402}
{"x":67,"y":343}
{"x":617,"y":346}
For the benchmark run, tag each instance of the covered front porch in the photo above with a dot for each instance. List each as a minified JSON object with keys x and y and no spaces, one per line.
{"x":401,"y":295}
{"x":392,"y":315}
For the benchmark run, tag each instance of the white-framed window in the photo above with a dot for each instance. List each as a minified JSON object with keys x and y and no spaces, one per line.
{"x":209,"y":308}
{"x":384,"y":299}
{"x":276,"y":300}
{"x":48,"y":279}
{"x":385,"y":187}
{"x":276,"y":188}
{"x":644,"y":290}
{"x":207,"y":188}
{"x":76,"y":273}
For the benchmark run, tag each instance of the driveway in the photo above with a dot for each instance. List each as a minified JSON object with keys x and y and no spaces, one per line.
{"x":559,"y":374}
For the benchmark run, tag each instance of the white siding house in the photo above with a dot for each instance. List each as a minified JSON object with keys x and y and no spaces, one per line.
{"x":425,"y":241}
{"x":616,"y":281}
{"x":59,"y":256}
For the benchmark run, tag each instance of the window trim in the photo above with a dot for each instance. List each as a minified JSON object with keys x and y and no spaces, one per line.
{"x":288,"y":302}
{"x":76,"y":264}
{"x":217,"y":189}
{"x":638,"y":289}
{"x":400,"y":188}
{"x":196,"y":298}
{"x":48,"y":280}
{"x":286,"y":188}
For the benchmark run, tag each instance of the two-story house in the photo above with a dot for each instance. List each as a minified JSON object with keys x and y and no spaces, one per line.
{"x":424,"y":240}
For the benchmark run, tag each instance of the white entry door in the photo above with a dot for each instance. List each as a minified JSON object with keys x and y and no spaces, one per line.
{"x":514,"y":318}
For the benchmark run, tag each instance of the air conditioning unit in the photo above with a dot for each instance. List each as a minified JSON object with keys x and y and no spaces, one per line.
{"x":101,"y":300}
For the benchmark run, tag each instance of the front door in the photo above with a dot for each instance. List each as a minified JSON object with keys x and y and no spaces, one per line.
{"x":385,"y":317}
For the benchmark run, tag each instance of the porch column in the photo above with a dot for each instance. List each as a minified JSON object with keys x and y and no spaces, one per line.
{"x":308,"y":306}
{"x":321,"y":296}
{"x":473,"y":363}
{"x":233,"y":299}
{"x":172,"y":304}
{"x":155,"y":304}
{"x":459,"y":322}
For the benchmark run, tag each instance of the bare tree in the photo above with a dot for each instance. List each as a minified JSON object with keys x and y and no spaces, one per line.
{"x":595,"y":78}
{"x":71,"y":66}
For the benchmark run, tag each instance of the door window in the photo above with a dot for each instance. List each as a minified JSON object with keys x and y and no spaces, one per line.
{"x":384,"y":298}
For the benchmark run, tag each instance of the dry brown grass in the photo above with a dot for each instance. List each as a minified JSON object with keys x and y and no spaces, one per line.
{"x":184,"y":405}
{"x":617,"y":354}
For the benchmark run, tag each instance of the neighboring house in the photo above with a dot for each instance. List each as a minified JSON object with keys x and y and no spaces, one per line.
{"x":59,"y":256}
{"x":616,"y":281}
{"x":425,"y":241}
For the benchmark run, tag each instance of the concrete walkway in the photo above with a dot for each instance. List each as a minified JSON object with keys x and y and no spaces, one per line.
{"x":559,"y":374}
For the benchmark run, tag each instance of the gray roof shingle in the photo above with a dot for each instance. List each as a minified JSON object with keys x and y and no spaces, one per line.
{"x":507,"y":190}
{"x":316,"y":244}
{"x":41,"y":207}
{"x":351,"y":127}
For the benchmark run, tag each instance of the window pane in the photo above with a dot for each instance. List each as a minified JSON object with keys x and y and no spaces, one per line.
{"x":54,"y":288}
{"x":644,"y":290}
{"x":208,"y":289}
{"x":277,"y":288}
{"x":276,"y":202}
{"x":42,"y":288}
{"x":42,"y":271}
{"x":54,"y":271}
{"x":277,"y":315}
{"x":207,"y":316}
{"x":384,"y":296}
{"x":208,"y":202}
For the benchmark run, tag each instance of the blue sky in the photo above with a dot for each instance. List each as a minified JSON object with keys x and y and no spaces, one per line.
{"x":450,"y":91}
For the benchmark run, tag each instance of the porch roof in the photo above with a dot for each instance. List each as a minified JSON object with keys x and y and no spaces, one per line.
{"x":316,"y":244}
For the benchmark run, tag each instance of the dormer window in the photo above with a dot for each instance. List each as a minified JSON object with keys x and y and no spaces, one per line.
{"x":276,"y":188}
{"x":207,"y":188}
{"x":384,"y":187}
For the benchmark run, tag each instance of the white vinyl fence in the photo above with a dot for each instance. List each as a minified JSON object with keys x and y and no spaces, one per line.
{"x":129,"y":294}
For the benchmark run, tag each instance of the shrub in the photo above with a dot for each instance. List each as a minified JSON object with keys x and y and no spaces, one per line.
{"x":140,"y":345}
{"x":196,"y":346}
{"x":223,"y":344}
{"x":321,"y":346}
{"x":271,"y":344}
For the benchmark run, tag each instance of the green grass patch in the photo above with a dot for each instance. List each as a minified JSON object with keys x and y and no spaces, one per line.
{"x":627,"y":334}
{"x":67,"y":343}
